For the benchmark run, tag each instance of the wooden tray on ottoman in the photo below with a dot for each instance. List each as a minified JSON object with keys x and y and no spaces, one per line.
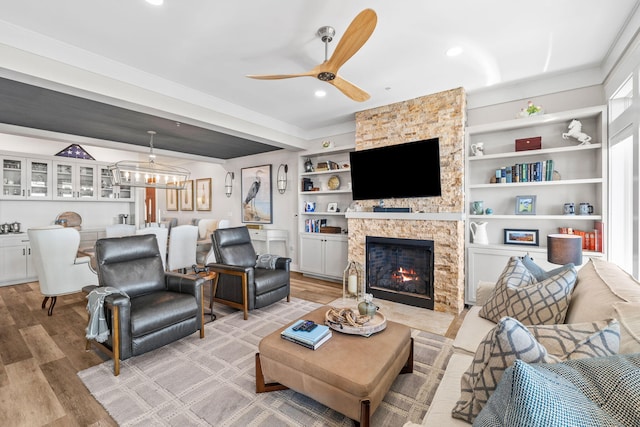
{"x":350,"y":374}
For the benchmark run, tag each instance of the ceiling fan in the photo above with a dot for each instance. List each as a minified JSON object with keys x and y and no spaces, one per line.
{"x":354,"y":38}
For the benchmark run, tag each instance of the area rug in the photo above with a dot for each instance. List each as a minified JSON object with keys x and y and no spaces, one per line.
{"x":195,"y":382}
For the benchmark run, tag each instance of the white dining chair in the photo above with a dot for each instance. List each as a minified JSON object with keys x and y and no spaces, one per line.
{"x":183,"y":243}
{"x":162,"y":237}
{"x":206,"y":226}
{"x":55,"y":256}
{"x":120,"y":230}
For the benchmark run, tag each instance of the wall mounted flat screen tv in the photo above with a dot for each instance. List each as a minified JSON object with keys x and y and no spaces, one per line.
{"x":397,"y":171}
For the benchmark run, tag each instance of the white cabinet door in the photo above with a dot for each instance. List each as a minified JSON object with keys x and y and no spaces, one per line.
{"x":13,"y":265}
{"x":336,"y":255}
{"x":311,"y":254}
{"x":108,"y":191}
{"x":14,"y":178}
{"x":39,"y":178}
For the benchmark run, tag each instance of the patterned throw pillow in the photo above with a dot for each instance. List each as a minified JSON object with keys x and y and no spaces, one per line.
{"x":510,"y":340}
{"x":579,"y":340}
{"x":518,"y":295}
{"x":590,"y":392}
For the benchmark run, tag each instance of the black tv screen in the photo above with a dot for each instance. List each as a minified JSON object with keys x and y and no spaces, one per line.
{"x":397,"y":171}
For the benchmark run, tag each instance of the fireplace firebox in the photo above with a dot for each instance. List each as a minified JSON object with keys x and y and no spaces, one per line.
{"x":400,"y":270}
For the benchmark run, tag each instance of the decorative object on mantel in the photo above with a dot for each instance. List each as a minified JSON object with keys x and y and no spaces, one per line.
{"x":75,"y":151}
{"x":531,"y":110}
{"x":575,"y":131}
{"x":148,"y":174}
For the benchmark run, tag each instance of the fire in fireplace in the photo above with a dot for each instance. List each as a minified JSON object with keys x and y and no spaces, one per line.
{"x":400,"y":270}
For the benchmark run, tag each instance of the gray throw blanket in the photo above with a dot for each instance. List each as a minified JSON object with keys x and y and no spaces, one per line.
{"x":97,"y":328}
{"x":267,"y":261}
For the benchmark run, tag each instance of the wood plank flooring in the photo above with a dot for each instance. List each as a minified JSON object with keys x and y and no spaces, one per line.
{"x":41,"y":355}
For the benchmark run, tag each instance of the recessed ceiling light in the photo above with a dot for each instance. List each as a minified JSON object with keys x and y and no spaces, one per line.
{"x":320,"y":93}
{"x":155,"y":2}
{"x":454,"y":51}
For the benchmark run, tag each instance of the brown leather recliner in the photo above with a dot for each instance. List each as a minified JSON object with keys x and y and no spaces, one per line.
{"x":159,"y":307}
{"x":239,"y":283}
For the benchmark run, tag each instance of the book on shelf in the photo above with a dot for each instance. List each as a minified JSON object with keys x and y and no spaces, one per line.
{"x":310,"y":338}
{"x":592,"y":240}
{"x":526,"y":172}
{"x":307,"y":345}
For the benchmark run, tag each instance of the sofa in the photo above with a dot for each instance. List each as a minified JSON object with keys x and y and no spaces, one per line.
{"x":602,"y":292}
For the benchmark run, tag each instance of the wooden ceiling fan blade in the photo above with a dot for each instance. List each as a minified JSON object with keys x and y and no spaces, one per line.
{"x":353,"y":39}
{"x":280,"y":76}
{"x":349,"y":89}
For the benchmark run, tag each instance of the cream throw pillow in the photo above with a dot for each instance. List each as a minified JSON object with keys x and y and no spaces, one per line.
{"x":511,"y":340}
{"x":518,"y":295}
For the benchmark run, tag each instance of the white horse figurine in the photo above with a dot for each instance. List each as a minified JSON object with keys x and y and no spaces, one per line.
{"x":575,"y":131}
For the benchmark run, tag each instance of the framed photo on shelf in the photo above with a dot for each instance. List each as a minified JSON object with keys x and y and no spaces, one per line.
{"x":172,"y":199}
{"x":332,"y":207}
{"x":186,"y":196}
{"x":256,"y":194}
{"x":521,"y":237}
{"x":203,"y":194}
{"x":525,"y":205}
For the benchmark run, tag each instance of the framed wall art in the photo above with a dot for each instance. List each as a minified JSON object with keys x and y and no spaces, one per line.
{"x":186,"y":196}
{"x":256,"y":195}
{"x":172,"y":199}
{"x":332,"y":207}
{"x":525,"y":205}
{"x":203,"y":194}
{"x":521,"y":237}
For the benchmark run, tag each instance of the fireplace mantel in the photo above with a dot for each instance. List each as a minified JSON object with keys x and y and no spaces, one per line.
{"x":417,"y":216}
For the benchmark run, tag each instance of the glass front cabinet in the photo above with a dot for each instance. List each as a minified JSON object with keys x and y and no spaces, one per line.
{"x":23,"y":178}
{"x":75,"y":181}
{"x":108,"y":191}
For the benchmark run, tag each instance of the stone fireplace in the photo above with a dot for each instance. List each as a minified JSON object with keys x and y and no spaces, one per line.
{"x":400,"y":270}
{"x":439,"y":219}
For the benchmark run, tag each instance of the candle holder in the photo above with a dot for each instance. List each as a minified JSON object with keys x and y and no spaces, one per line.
{"x":352,"y":280}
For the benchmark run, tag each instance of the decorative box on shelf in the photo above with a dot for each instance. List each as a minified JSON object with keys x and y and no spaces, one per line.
{"x":525,"y":144}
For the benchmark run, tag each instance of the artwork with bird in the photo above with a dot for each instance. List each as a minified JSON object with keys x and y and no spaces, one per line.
{"x":256,"y":194}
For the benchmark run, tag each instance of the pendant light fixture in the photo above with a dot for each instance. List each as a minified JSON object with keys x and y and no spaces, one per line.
{"x":148,"y":174}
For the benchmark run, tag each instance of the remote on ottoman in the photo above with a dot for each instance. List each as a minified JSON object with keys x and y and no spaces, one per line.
{"x":306,"y":326}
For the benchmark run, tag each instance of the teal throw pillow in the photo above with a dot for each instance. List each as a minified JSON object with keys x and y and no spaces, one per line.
{"x":539,"y":273}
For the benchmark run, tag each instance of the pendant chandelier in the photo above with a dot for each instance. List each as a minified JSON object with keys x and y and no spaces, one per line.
{"x":148,"y":174}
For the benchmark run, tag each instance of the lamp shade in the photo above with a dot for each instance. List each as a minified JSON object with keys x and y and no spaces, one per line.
{"x":564,"y":249}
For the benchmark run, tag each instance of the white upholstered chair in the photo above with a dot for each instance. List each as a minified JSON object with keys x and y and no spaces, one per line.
{"x":55,"y":255}
{"x":183,"y":242}
{"x":162,"y":236}
{"x":206,"y":226}
{"x":120,"y":230}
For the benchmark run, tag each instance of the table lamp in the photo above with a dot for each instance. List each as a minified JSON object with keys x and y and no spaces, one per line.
{"x":564,"y":249}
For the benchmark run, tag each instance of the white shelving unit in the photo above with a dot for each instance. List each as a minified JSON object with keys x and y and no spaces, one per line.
{"x":583,"y":178}
{"x":324,"y":254}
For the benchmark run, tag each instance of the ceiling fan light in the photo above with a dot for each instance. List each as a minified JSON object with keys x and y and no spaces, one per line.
{"x":320,"y":93}
{"x":156,"y":2}
{"x":454,"y":51}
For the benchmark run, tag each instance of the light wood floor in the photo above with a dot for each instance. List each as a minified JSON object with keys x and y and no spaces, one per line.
{"x":41,"y":355}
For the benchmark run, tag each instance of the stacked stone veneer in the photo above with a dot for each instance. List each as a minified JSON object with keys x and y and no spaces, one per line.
{"x":440,"y":115}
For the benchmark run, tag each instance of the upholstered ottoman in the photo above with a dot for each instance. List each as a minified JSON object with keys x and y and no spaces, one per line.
{"x":350,"y":374}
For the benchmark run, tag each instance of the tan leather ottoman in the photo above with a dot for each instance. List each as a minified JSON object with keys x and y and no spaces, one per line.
{"x":349,"y":374}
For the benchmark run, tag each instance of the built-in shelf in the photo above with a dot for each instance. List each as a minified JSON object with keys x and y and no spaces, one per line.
{"x":540,"y":217}
{"x":417,"y":216}
{"x":539,"y":183}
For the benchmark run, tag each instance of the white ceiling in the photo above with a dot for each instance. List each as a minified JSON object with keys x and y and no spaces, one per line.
{"x":199,"y":51}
